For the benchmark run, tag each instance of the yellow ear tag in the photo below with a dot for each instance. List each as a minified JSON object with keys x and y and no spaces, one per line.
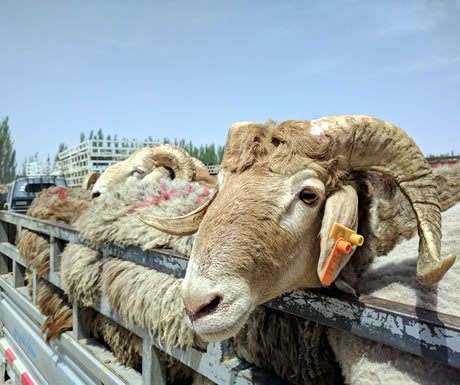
{"x":344,"y":238}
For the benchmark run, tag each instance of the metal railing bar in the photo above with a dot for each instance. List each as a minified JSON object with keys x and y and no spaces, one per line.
{"x":422,"y":332}
{"x":66,"y":342}
{"x":189,"y":356}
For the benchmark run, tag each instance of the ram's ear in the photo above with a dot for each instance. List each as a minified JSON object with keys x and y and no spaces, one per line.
{"x":341,"y":207}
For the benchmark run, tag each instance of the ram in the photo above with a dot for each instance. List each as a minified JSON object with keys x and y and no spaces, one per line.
{"x":281,"y":189}
{"x":141,"y":296}
{"x":67,"y":205}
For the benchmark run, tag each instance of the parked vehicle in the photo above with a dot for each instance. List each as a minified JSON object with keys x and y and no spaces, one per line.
{"x":23,"y":190}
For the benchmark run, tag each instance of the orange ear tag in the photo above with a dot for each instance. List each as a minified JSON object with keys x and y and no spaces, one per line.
{"x":344,"y":238}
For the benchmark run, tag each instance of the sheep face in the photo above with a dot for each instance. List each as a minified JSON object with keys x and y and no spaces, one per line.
{"x":270,"y":245}
{"x":149,"y":164}
{"x":136,"y":167}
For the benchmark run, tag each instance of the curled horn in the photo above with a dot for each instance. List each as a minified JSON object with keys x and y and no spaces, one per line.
{"x":183,"y":225}
{"x":202,"y":174}
{"x":369,"y":144}
{"x":175,"y":159}
{"x":90,"y":180}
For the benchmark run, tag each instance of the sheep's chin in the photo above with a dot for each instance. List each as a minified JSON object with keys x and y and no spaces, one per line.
{"x":221,"y":325}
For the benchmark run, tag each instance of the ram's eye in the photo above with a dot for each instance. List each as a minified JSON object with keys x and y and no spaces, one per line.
{"x":307,"y":196}
{"x":138,"y":172}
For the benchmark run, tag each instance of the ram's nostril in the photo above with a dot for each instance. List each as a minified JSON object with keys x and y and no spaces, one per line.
{"x":204,"y":309}
{"x":95,"y":194}
{"x":210,"y":307}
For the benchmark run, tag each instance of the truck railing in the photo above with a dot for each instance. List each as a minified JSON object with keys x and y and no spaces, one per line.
{"x":422,"y":332}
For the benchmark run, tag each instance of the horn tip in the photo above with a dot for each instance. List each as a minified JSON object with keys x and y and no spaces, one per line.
{"x":435,"y":272}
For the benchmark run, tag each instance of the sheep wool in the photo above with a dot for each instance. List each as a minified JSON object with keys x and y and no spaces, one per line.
{"x":393,"y":278}
{"x":114,"y":218}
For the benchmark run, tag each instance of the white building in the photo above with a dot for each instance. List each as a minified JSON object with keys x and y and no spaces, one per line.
{"x":38,"y":167}
{"x":95,"y":155}
{"x":34,"y":168}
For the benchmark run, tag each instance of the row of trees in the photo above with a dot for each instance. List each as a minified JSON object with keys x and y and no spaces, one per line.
{"x":7,"y":154}
{"x":207,"y":153}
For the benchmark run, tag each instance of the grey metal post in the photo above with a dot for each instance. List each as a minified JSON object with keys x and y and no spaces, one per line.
{"x":3,"y":264}
{"x":56,"y":249}
{"x":34,"y":287}
{"x":153,"y":368}
{"x":78,"y":329}
{"x":3,"y":231}
{"x":18,"y":274}
{"x":3,"y":238}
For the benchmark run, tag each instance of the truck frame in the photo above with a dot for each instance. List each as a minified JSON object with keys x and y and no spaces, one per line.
{"x":77,"y":359}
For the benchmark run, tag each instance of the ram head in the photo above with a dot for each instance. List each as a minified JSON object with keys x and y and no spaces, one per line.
{"x":281,"y":188}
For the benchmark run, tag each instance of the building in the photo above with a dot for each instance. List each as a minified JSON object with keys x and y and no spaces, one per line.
{"x":95,"y":155}
{"x":33,"y":168}
{"x":37,"y":167}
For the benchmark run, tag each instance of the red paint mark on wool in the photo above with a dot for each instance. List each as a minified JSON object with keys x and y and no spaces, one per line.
{"x":166,"y":195}
{"x":60,"y":191}
{"x":153,"y":201}
{"x":203,"y":196}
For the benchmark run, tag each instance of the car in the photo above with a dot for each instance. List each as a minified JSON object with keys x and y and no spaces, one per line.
{"x":23,"y":190}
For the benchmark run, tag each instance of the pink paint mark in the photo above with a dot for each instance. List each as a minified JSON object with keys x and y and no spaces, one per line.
{"x":166,"y":195}
{"x":203,"y":196}
{"x":60,"y":191}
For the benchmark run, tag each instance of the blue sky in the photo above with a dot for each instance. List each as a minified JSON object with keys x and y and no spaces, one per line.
{"x":188,"y":69}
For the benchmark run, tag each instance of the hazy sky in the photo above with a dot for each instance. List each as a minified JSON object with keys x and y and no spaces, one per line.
{"x":188,"y":69}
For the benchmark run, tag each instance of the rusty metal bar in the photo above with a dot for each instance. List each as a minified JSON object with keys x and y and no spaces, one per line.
{"x":414,"y":330}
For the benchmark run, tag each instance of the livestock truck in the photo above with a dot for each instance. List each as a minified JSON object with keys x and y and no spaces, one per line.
{"x":75,"y":358}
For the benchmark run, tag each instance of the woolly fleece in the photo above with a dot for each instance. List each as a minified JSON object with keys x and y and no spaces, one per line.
{"x":114,"y":218}
{"x":393,"y":278}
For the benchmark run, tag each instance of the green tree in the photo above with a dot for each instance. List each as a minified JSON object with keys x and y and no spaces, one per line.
{"x":208,"y":153}
{"x":100,"y":136}
{"x":82,"y":137}
{"x":24,"y":168}
{"x":62,"y":147}
{"x":7,"y":154}
{"x":92,"y":136}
